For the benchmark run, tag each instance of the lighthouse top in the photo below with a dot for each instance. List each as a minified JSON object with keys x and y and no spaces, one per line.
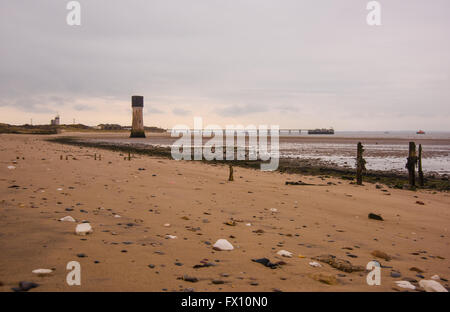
{"x":137,"y":101}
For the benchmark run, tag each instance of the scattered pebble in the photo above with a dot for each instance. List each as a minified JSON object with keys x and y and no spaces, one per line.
{"x":223,"y":244}
{"x":432,"y":286}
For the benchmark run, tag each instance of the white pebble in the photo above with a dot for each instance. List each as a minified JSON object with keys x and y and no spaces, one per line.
{"x":223,"y":244}
{"x":284,"y":253}
{"x":83,"y":229}
{"x":67,"y":219}
{"x":405,"y":284}
{"x":42,"y":271}
{"x":432,"y":286}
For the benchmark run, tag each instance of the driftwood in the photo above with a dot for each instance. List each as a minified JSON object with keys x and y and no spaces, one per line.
{"x":297,"y":183}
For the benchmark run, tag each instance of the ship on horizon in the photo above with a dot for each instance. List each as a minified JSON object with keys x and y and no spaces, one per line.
{"x":321,"y":131}
{"x":420,"y":132}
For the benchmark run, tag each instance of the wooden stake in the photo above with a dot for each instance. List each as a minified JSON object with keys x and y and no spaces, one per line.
{"x":129,"y":156}
{"x":231,"y":178}
{"x":421,"y":181}
{"x":95,"y":156}
{"x":360,"y":164}
{"x":411,"y":164}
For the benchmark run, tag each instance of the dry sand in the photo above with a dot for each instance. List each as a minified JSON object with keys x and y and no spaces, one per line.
{"x":196,"y":199}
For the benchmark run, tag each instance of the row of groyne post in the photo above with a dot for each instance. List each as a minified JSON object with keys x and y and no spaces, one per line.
{"x":413,"y":161}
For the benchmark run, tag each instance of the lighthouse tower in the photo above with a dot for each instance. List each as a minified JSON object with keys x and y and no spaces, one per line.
{"x":137,"y":104}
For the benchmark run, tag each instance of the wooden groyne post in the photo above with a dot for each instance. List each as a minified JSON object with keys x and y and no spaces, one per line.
{"x":231,"y":178}
{"x":419,"y":166}
{"x":360,"y":164}
{"x":411,"y":164}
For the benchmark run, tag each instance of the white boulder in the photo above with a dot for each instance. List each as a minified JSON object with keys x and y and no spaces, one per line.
{"x":83,"y":229}
{"x":223,"y":244}
{"x":67,"y":219}
{"x":432,"y":286}
{"x":405,"y":284}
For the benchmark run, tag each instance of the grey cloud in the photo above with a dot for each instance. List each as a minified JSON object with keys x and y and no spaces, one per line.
{"x":248,"y":57}
{"x":181,"y":112}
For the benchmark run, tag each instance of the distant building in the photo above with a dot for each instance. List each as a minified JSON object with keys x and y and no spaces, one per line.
{"x":56,"y":121}
{"x":109,"y":127}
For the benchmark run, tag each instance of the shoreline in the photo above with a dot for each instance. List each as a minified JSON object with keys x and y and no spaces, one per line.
{"x":309,"y":166}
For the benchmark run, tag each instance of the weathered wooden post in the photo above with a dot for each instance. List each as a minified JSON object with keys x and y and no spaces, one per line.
{"x":61,"y":157}
{"x":411,"y":164}
{"x":231,"y":178}
{"x":129,"y":156}
{"x":95,"y":156}
{"x":360,"y":164}
{"x":419,"y":165}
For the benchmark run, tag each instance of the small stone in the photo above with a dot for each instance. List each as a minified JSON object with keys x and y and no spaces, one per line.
{"x":315,"y":264}
{"x":83,"y":229}
{"x":325,"y":278}
{"x":432,"y":286}
{"x":375,"y":217}
{"x":42,"y":272}
{"x":381,"y":255}
{"x":223,"y":244}
{"x":67,"y":219}
{"x":284,"y":253}
{"x":405,"y":284}
{"x":25,"y":286}
{"x":415,"y":269}
{"x":395,"y":274}
{"x":190,"y":279}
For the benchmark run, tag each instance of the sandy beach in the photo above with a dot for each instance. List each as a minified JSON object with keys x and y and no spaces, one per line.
{"x":136,"y":208}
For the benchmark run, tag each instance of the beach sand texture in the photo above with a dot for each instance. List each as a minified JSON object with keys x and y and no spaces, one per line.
{"x":133,"y":205}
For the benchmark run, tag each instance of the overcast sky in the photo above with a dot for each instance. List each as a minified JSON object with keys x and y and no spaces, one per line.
{"x":293,"y":63}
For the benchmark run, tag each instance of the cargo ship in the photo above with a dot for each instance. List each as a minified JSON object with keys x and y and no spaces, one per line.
{"x":321,"y":131}
{"x":420,"y":132}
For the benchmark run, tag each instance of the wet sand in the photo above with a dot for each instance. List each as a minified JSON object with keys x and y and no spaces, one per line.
{"x":133,"y":253}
